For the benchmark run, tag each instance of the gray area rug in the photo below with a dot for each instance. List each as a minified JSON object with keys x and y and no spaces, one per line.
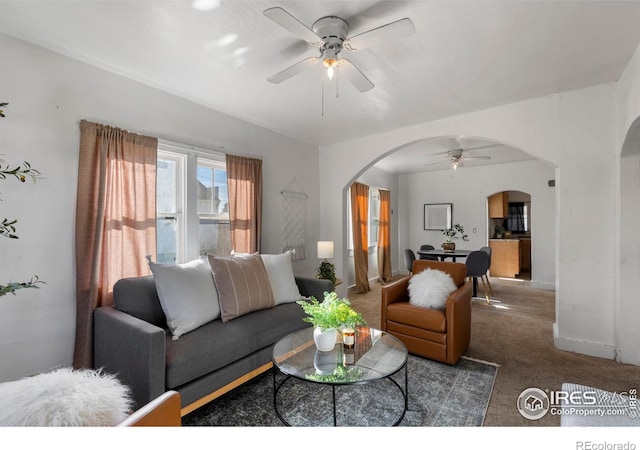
{"x":439,"y":395}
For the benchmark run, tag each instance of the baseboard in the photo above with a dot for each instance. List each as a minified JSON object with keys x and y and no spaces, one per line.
{"x":597,"y":350}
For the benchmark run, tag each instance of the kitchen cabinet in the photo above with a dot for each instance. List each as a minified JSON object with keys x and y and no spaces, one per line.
{"x":505,"y":257}
{"x":499,"y":205}
{"x":525,"y":255}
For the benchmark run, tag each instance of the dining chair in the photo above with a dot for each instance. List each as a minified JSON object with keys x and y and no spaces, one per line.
{"x":477,"y":266}
{"x":409,"y":258}
{"x":427,"y":247}
{"x":488,"y":251}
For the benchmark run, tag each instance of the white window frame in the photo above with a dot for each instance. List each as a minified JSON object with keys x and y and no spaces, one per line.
{"x":374,"y":215}
{"x":188,"y":248}
{"x":178,"y":214}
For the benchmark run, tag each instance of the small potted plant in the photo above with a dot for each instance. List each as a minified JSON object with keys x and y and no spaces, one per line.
{"x":328,"y":316}
{"x":499,"y":231}
{"x":455,"y":232}
{"x":327,"y":271}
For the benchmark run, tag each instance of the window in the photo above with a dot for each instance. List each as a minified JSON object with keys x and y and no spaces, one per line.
{"x":374,"y":215}
{"x":214,"y":231}
{"x":192,"y":204}
{"x":374,"y":218}
{"x":517,"y":219}
{"x":169,"y":207}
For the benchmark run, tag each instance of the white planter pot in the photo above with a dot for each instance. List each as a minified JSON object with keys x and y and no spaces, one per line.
{"x":325,"y":340}
{"x":325,"y":362}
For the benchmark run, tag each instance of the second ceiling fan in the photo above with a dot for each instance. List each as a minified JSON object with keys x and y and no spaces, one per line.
{"x":331,"y":35}
{"x":455,"y":155}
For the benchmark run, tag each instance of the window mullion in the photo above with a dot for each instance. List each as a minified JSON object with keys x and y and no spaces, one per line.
{"x":191,"y":208}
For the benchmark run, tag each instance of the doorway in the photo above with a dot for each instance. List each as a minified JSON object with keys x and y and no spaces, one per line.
{"x":509,"y":234}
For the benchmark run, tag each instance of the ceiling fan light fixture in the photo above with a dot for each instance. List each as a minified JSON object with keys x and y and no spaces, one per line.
{"x":330,"y":72}
{"x":330,"y":60}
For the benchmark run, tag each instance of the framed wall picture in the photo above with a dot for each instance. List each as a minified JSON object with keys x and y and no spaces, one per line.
{"x":437,"y":216}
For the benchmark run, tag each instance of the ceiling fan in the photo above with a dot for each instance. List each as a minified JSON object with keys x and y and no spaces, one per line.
{"x":331,"y":35}
{"x":455,"y":155}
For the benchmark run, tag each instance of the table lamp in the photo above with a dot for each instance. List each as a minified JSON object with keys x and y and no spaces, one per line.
{"x":326,"y":271}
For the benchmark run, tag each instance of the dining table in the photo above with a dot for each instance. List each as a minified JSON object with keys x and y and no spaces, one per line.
{"x":444,"y":254}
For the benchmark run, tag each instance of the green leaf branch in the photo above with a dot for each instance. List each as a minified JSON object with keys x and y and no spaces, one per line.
{"x":12,"y":287}
{"x":8,"y":226}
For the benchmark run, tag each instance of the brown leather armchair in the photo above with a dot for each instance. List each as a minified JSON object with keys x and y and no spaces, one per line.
{"x":442,"y":335}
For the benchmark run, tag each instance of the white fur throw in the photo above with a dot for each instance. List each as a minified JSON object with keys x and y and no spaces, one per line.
{"x":430,"y":288}
{"x":64,"y":397}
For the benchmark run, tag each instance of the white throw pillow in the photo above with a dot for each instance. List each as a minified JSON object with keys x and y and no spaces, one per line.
{"x":187,"y":294}
{"x":431,"y":288}
{"x":281,"y":278}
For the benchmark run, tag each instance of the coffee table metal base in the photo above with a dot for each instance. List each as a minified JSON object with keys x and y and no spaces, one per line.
{"x":404,"y":392}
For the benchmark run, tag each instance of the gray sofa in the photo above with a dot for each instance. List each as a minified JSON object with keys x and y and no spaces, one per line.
{"x":132,"y":341}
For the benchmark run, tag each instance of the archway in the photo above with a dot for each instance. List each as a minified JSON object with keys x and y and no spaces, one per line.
{"x":467,"y":209}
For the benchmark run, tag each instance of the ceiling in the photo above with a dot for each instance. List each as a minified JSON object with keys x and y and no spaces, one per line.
{"x":464,"y":56}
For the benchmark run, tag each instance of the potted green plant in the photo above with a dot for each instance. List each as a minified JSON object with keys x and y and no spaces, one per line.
{"x":328,"y":316}
{"x":499,"y":231}
{"x":455,"y":232}
{"x":327,"y":271}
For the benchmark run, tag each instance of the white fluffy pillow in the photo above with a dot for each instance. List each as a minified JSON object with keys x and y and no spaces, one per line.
{"x":281,"y":278}
{"x":431,"y":288}
{"x":187,"y":294}
{"x":64,"y":398}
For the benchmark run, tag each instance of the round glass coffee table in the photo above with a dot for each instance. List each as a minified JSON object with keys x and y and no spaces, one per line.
{"x":375,"y":357}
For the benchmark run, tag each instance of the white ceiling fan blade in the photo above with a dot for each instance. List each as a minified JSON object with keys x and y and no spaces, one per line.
{"x":287,"y":21}
{"x":481,"y":147}
{"x":450,"y":144}
{"x":399,"y":28}
{"x":354,"y":75}
{"x":469,"y":158}
{"x":293,"y":70}
{"x":437,"y":162}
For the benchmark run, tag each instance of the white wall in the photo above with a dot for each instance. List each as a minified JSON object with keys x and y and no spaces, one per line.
{"x":574,"y":132}
{"x":467,"y":189}
{"x":628,"y":203}
{"x":49,"y":94}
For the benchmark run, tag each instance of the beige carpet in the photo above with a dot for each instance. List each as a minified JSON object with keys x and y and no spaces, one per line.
{"x":516,"y":332}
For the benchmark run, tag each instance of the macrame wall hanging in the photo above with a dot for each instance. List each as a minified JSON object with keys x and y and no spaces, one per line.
{"x":294,"y":221}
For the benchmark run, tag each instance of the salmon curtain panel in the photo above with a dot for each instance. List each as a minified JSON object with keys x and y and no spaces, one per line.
{"x":359,"y":222}
{"x":115,"y":220}
{"x":244,"y":183}
{"x":384,"y":237}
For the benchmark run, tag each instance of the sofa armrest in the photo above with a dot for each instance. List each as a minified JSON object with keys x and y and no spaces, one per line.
{"x":398,"y":291}
{"x":458,"y":314}
{"x":313,"y":287}
{"x":131,"y":349}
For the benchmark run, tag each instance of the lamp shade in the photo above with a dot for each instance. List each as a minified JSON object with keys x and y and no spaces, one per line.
{"x":325,"y":249}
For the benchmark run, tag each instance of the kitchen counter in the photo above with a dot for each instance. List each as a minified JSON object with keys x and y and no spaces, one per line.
{"x":510,"y":257}
{"x":505,"y":257}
